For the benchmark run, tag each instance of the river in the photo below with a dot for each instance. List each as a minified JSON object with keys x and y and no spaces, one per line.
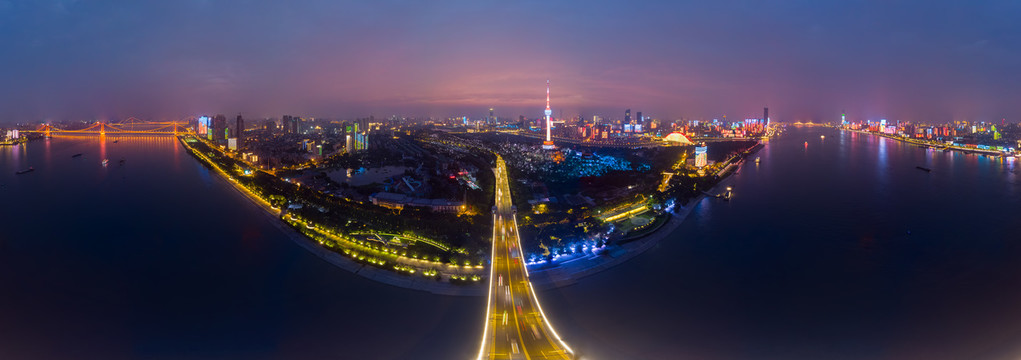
{"x":838,"y":249}
{"x":159,"y":258}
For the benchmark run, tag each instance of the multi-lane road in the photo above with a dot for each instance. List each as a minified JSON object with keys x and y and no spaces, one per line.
{"x":516,"y":327}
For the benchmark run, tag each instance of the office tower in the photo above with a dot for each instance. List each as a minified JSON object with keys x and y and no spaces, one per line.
{"x":219,"y":127}
{"x":239,"y":131}
{"x":701,"y":156}
{"x":286,"y":123}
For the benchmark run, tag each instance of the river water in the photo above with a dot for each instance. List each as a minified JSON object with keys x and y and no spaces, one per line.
{"x":838,"y":249}
{"x":813,"y":259}
{"x":160,"y":258}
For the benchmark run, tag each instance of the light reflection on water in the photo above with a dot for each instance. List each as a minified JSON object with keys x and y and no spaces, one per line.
{"x":157,"y":258}
{"x":826,"y":252}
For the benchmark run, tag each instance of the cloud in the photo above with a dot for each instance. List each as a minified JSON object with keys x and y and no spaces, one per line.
{"x":342,"y":58}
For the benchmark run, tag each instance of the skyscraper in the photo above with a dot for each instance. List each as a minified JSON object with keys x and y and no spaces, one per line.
{"x":701,"y":156}
{"x":239,"y":131}
{"x":765,"y":116}
{"x":548,"y":144}
{"x":286,"y":123}
{"x":204,"y":123}
{"x":219,"y":127}
{"x":627,"y":116}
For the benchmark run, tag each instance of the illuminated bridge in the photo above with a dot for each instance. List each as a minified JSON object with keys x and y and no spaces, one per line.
{"x":130,"y":126}
{"x":516,"y":327}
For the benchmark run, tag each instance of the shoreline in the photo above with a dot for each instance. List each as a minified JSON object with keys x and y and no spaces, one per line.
{"x":375,"y":274}
{"x":567,"y":274}
{"x":558,"y":276}
{"x":966,"y":151}
{"x":544,"y":278}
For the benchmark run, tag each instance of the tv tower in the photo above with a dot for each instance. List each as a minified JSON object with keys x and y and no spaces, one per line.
{"x":548,"y":144}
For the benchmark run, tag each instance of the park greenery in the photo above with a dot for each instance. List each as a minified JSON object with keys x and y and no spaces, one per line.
{"x":441,"y":237}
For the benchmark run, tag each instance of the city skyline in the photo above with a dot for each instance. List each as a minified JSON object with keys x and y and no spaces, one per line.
{"x":385,"y":179}
{"x":76,"y":60}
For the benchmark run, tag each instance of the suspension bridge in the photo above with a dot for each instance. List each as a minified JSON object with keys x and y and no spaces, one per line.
{"x":129,"y":126}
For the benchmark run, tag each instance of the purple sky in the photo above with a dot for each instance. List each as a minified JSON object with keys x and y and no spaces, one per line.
{"x":910,"y":60}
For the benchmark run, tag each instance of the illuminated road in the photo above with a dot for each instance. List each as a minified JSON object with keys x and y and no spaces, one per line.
{"x":516,"y":327}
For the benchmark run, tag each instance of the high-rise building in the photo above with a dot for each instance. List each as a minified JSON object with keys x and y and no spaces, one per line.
{"x":219,"y":127}
{"x":286,"y":123}
{"x":627,"y":116}
{"x":701,"y":158}
{"x":290,"y":124}
{"x":492,"y":119}
{"x":239,"y":131}
{"x":203,"y":126}
{"x":765,"y":116}
{"x":548,"y":144}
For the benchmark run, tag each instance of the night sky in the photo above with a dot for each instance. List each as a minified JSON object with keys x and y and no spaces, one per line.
{"x":932,"y":60}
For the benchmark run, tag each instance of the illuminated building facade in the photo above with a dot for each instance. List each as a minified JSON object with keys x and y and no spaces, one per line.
{"x":203,"y":126}
{"x":700,"y":155}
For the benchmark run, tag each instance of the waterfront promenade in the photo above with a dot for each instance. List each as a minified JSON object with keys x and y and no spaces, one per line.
{"x":568,"y":272}
{"x":545,"y":276}
{"x":428,"y":284}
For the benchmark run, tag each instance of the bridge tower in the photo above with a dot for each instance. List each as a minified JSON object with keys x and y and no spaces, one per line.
{"x":102,"y":129}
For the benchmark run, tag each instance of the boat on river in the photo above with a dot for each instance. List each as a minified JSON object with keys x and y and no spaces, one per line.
{"x":26,"y":171}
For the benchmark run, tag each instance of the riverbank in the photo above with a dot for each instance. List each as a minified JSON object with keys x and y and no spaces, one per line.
{"x":568,"y":272}
{"x":934,"y":146}
{"x":546,"y":276}
{"x":431,"y":285}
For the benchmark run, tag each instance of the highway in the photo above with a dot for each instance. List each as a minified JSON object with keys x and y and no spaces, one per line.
{"x":516,"y":327}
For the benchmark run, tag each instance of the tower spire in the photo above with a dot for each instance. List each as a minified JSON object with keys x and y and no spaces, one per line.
{"x":547,"y":94}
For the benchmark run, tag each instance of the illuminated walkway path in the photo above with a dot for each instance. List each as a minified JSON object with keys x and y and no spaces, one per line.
{"x":516,"y":327}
